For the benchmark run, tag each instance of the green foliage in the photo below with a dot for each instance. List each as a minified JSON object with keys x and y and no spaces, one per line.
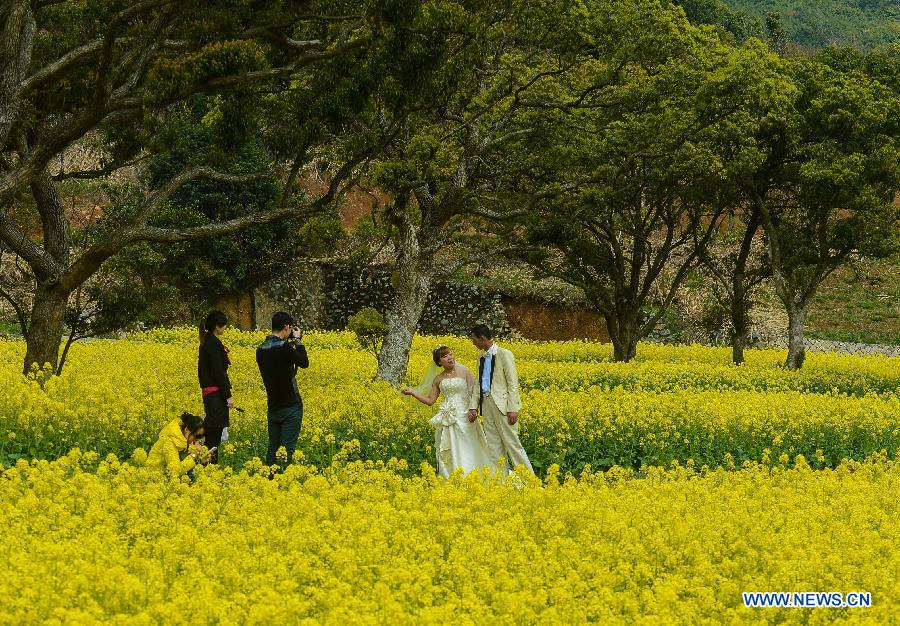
{"x":849,"y":172}
{"x":222,"y":58}
{"x":320,"y":235}
{"x":883,"y":65}
{"x":370,"y":329}
{"x":232,"y":263}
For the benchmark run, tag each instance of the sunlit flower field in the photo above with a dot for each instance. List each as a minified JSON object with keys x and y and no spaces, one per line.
{"x":580,"y":408}
{"x":666,"y":488}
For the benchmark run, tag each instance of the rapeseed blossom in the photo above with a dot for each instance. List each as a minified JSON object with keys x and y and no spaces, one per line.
{"x":714,"y":480}
{"x":90,"y":540}
{"x":672,"y":403}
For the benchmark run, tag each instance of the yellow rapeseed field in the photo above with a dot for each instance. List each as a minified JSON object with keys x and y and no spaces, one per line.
{"x":94,"y":541}
{"x":673,"y":403}
{"x":666,"y":489}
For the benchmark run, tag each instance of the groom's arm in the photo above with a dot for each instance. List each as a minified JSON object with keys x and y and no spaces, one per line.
{"x":512,"y":382}
{"x":474,"y":391}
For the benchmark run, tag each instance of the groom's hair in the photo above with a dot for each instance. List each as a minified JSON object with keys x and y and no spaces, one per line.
{"x":482,"y":331}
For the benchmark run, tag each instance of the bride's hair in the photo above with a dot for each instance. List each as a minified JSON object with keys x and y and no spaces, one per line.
{"x":439,"y":353}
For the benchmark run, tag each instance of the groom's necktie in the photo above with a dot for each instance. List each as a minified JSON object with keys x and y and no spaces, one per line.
{"x":484,"y":376}
{"x":480,"y":382}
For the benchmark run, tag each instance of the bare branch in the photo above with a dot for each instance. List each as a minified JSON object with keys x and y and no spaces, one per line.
{"x":504,"y":138}
{"x":18,"y":308}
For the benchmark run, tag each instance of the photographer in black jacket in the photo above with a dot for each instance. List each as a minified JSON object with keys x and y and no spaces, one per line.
{"x":278,"y":358}
{"x":212,"y":371}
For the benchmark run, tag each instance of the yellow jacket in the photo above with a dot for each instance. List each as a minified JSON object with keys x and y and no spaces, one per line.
{"x":164,"y":453}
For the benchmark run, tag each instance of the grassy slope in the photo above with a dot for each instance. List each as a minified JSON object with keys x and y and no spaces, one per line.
{"x":817,"y":23}
{"x":859,"y":303}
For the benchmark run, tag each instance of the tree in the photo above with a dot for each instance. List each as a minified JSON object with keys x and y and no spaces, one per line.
{"x":112,"y":70}
{"x":447,"y":165}
{"x":737,"y":270}
{"x":228,"y":264}
{"x":883,"y":64}
{"x":775,"y":31}
{"x":370,"y":330}
{"x":735,"y":23}
{"x":826,"y":185}
{"x":650,"y":153}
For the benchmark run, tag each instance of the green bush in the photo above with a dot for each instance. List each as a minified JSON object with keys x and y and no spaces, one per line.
{"x":370,"y":329}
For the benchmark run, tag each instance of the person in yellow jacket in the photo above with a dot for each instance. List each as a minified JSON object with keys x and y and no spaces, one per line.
{"x":178,"y":449}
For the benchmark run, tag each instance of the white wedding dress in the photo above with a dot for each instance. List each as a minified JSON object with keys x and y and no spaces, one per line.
{"x":458,"y":442}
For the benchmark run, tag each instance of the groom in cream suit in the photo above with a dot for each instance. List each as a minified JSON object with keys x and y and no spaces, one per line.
{"x":496,"y":395}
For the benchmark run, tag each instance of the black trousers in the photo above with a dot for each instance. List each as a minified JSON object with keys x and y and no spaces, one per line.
{"x":212,"y":440}
{"x":216,"y":420}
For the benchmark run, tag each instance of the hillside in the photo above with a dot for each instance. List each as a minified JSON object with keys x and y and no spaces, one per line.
{"x":817,"y":23}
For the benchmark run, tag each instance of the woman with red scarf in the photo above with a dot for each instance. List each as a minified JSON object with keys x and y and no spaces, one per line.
{"x":212,"y":370}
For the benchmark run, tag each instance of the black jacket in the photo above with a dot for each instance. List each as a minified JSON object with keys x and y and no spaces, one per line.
{"x":278,"y":361}
{"x":212,"y":366}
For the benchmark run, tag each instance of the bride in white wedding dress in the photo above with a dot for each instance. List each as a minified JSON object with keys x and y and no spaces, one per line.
{"x":458,"y":442}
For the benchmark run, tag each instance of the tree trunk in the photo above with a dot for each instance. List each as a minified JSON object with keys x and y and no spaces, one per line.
{"x":411,"y":292}
{"x":402,"y":321}
{"x":796,"y":345}
{"x":739,"y":320}
{"x":46,"y":330}
{"x":624,"y":336}
{"x":738,"y":344}
{"x":17,"y":28}
{"x":739,"y":305}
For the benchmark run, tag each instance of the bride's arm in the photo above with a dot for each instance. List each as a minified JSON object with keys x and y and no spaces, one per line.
{"x":470,"y":382}
{"x":472,"y":395}
{"x":430,"y":399}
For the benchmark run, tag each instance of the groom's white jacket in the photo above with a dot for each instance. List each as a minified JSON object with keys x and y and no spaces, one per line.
{"x":504,"y":383}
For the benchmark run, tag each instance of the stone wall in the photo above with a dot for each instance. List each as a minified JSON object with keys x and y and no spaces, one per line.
{"x":324,"y":296}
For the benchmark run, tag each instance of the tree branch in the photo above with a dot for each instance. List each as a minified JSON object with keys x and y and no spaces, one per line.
{"x":95,"y":256}
{"x":42,"y":264}
{"x":57,"y":231}
{"x":19,"y":311}
{"x":280,"y":38}
{"x":76,"y":56}
{"x":104,"y":171}
{"x":225,"y":82}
